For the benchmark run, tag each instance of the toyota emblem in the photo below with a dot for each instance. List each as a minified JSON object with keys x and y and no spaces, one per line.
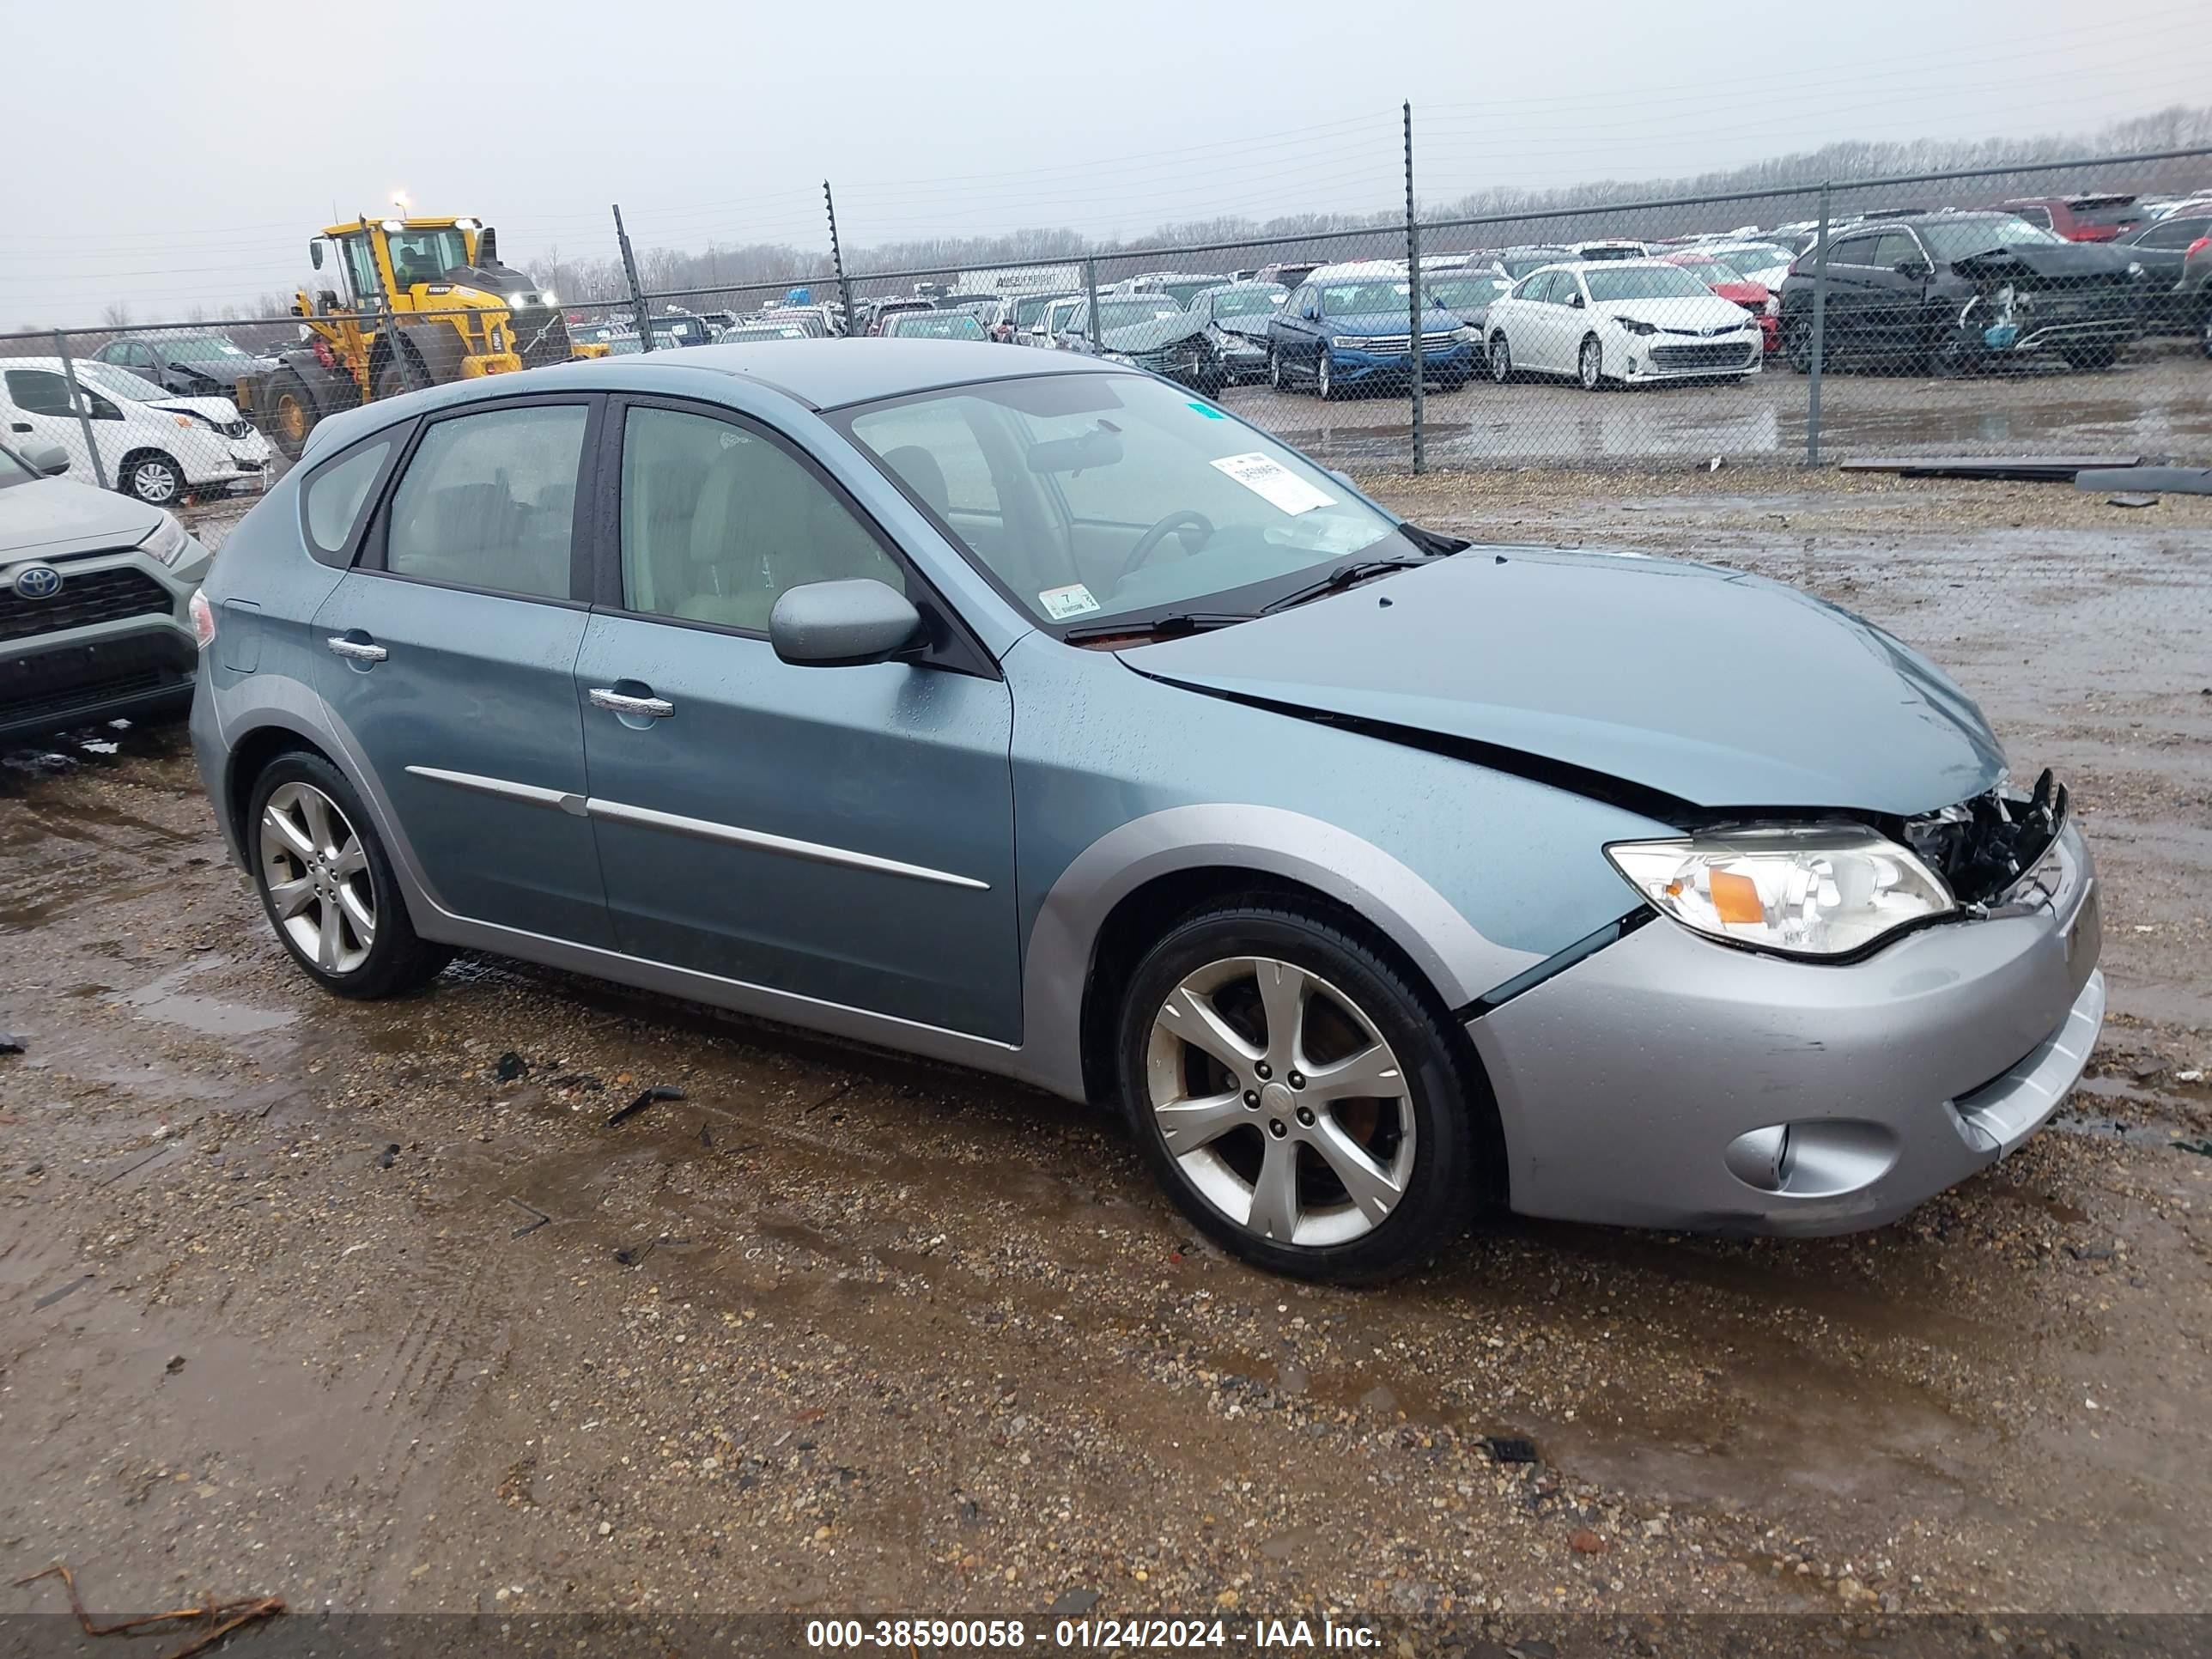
{"x":38,"y":582}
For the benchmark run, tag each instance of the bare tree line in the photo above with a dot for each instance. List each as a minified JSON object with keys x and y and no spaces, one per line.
{"x":769,"y":267}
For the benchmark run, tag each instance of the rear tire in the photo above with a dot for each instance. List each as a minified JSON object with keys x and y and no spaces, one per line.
{"x":290,"y":413}
{"x":1375,"y":1182}
{"x":327,"y":885}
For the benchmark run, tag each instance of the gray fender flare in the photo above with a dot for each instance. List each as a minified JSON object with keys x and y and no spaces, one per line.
{"x":1455,"y":959}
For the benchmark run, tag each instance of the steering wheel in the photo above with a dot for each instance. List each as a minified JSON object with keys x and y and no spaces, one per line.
{"x":1149,"y":542}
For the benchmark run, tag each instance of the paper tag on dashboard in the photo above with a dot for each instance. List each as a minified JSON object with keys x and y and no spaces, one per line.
{"x":1062,"y":603}
{"x":1268,"y":479}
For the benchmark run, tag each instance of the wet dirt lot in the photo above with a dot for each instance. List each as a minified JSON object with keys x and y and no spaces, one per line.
{"x":304,"y":1298}
{"x":2158,"y":402}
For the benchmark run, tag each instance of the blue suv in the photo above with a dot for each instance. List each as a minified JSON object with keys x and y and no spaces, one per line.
{"x":1346,"y":327}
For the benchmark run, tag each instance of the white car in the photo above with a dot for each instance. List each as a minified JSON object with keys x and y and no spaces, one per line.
{"x":1610,"y":247}
{"x":1048,"y":328}
{"x":1620,"y":321}
{"x":152,"y":444}
{"x":1764,"y":262}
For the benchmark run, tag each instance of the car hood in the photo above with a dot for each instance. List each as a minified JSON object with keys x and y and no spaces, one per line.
{"x":221,"y":411}
{"x":49,"y":518}
{"x":225,"y":371}
{"x":1253,"y":325}
{"x":1152,"y":334}
{"x":1701,"y":314}
{"x":2051,"y":261}
{"x":1709,"y":686}
{"x":1369,"y":322}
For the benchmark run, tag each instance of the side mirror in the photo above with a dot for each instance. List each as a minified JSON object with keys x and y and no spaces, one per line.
{"x":52,"y":459}
{"x":837,"y":624}
{"x":1576,"y":300}
{"x":315,"y":254}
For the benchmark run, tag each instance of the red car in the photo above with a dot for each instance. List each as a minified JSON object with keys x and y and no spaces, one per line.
{"x":1725,"y":280}
{"x":2079,"y":218}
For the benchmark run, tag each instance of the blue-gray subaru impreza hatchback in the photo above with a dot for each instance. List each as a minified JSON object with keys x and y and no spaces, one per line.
{"x":1038,"y":715}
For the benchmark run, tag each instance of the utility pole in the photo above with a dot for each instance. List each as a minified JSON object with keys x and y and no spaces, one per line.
{"x":837,"y":259}
{"x":1413,"y":314}
{"x":637,"y":294}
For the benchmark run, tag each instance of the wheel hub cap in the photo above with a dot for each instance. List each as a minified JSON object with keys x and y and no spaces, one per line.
{"x":315,"y":871}
{"x":1280,"y":1101}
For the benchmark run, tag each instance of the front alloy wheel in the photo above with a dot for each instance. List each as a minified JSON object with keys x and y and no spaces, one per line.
{"x":1590,"y":367}
{"x":1297,"y":1098}
{"x":1324,"y":380}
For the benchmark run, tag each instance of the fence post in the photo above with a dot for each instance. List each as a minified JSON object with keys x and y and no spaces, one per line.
{"x":387,"y":327}
{"x":78,"y":401}
{"x":837,"y":259}
{"x":636,"y":294}
{"x":1091,"y":288}
{"x":1414,"y":315}
{"x":1820,"y":335}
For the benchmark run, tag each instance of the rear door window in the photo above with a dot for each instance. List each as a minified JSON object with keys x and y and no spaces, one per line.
{"x":488,"y":501}
{"x":334,"y":497}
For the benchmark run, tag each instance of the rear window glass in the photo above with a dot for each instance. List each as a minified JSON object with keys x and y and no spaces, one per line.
{"x":335,"y":495}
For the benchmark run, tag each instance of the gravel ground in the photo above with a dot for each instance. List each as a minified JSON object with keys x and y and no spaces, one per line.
{"x":325,"y":1301}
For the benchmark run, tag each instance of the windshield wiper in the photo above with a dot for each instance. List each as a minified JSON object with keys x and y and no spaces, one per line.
{"x":1173,"y":625}
{"x":1344,"y":575}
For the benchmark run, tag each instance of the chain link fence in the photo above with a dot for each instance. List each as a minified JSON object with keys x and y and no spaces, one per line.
{"x":2058,"y":308}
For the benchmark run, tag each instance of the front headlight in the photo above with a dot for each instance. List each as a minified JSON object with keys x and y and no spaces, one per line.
{"x":1349,"y":342}
{"x":1636,"y":325}
{"x":1466,"y":335}
{"x":168,"y":541}
{"x":1821,"y":891}
{"x":1773,"y":305}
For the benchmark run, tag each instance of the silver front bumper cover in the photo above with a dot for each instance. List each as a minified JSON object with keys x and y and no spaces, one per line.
{"x":1623,"y":1081}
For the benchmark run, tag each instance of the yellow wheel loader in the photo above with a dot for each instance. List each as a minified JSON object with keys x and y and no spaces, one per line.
{"x":416,"y":302}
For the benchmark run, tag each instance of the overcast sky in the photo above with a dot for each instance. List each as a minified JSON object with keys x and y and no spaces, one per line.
{"x":170,"y":155}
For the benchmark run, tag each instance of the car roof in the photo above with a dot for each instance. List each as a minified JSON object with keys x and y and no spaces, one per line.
{"x":1350,"y":270}
{"x":817,"y":373}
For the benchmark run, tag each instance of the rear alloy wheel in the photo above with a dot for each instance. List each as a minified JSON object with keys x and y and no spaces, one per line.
{"x":1296,"y":1096}
{"x":154,"y":478}
{"x":1501,"y":359}
{"x":1589,"y":364}
{"x":327,"y":885}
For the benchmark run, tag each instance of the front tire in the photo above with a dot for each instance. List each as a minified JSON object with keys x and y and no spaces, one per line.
{"x":1298,"y":1098}
{"x":1501,"y":359}
{"x":154,"y":478}
{"x":1589,"y":364}
{"x":1324,"y":378}
{"x":328,"y":887}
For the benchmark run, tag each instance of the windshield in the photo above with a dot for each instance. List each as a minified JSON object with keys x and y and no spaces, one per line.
{"x":1028,"y":311}
{"x":1128,"y":314}
{"x":1518,"y":265}
{"x":936,"y":325}
{"x":1248,"y":301}
{"x":426,"y":256}
{"x":204,"y":348}
{"x":1356,"y":299}
{"x":1461,"y":292}
{"x":118,"y":382}
{"x":1183,"y":290}
{"x":1750,"y":259}
{"x":13,"y":471}
{"x":1962,"y":239}
{"x":1056,"y":484}
{"x":1644,"y":283}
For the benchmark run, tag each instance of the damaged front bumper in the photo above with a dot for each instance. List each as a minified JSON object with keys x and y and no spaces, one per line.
{"x":1670,"y":1081}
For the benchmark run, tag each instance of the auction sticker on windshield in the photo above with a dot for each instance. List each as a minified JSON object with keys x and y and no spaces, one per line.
{"x":1268,"y":477}
{"x":1062,"y":603}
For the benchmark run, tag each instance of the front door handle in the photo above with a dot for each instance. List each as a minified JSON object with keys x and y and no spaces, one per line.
{"x":356,"y":650}
{"x":621,"y":702}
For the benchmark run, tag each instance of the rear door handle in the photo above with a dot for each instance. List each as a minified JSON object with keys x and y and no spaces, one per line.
{"x":356,"y":650}
{"x":621,"y":702}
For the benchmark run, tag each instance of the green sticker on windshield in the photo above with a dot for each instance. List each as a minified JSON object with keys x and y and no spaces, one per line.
{"x":1209,"y":411}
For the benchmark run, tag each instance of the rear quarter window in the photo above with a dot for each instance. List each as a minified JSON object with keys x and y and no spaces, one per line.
{"x":336,"y":496}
